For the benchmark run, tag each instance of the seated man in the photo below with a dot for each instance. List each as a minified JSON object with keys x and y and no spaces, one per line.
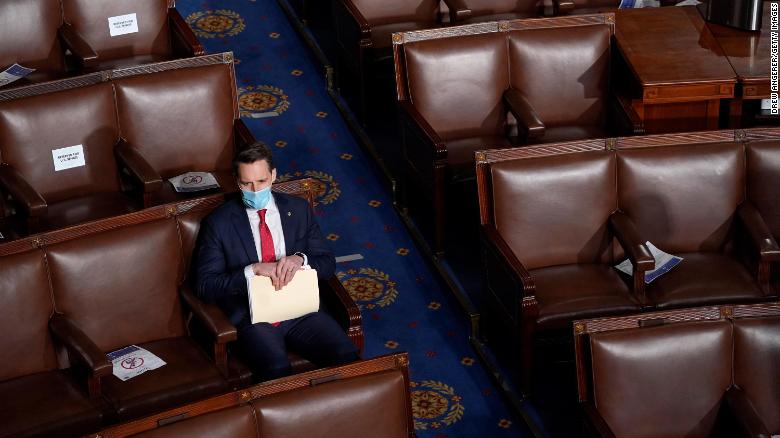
{"x":273,"y":235}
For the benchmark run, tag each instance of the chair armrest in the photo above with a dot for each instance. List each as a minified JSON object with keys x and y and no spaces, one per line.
{"x":423,"y":129}
{"x":529,"y":125}
{"x":744,"y":414}
{"x":593,"y":422}
{"x":759,"y":232}
{"x":494,"y":242}
{"x":211,"y":316}
{"x":561,"y":7}
{"x":183,"y":36}
{"x":626,"y":116}
{"x":632,"y":243}
{"x":22,"y":191}
{"x":77,"y":342}
{"x":139,"y":168}
{"x":343,"y":309}
{"x":458,"y":10}
{"x":243,"y":135}
{"x":353,"y":32}
{"x":77,"y":45}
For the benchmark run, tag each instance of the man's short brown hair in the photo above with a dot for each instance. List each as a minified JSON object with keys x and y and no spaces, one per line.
{"x":255,"y":152}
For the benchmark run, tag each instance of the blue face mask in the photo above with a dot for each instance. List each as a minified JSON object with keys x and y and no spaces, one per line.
{"x":256,"y":200}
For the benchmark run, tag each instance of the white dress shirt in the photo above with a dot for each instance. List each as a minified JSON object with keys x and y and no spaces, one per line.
{"x":274,"y":221}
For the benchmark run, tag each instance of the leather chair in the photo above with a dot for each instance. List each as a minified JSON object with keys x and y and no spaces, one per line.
{"x":689,"y":200}
{"x":162,"y":33}
{"x":38,"y":397}
{"x":763,"y":179}
{"x":548,"y":232}
{"x":756,"y":354}
{"x":178,"y":121}
{"x":120,"y":288}
{"x":32,"y":128}
{"x":364,"y":30}
{"x":560,"y":88}
{"x":476,"y":11}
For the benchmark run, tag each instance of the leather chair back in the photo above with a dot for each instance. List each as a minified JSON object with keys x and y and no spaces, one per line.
{"x":121,"y":286}
{"x":235,"y":422}
{"x":555,"y":210}
{"x":25,"y":298}
{"x":343,"y":408}
{"x":384,"y":12}
{"x":683,"y":197}
{"x":563,"y":72}
{"x":763,"y":164}
{"x":28,"y":34}
{"x":756,"y":357}
{"x":189,"y":226}
{"x":90,"y":19}
{"x":156,"y":114}
{"x":664,"y":380}
{"x":457,"y":84}
{"x":498,"y":7}
{"x":31,"y":128}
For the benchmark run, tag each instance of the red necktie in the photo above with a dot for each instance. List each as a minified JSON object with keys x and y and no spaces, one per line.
{"x":268,"y":255}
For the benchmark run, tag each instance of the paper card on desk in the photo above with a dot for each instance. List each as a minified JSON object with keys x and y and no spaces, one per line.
{"x":133,"y":361}
{"x":664,"y":262}
{"x":13,"y":73}
{"x":122,"y":24}
{"x":299,"y":297}
{"x":194,"y":182}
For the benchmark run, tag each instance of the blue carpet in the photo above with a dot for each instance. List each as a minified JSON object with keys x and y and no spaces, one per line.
{"x":285,"y":103}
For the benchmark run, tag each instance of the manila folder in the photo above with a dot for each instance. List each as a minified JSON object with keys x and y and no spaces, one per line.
{"x":299,"y":297}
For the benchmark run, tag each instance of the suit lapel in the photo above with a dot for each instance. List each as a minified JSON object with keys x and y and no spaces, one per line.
{"x":241,"y":225}
{"x":287,"y":217}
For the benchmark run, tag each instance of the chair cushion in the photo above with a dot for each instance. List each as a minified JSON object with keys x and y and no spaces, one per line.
{"x":188,"y":375}
{"x":238,"y":422}
{"x":756,"y":360}
{"x":129,"y":61}
{"x":569,"y":292}
{"x":28,"y":32}
{"x":46,"y":404}
{"x":478,"y":18}
{"x":460,"y":153}
{"x":566,"y":133}
{"x":78,"y":210}
{"x":704,"y":278}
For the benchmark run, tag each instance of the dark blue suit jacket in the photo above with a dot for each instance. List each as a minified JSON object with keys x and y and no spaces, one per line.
{"x":226,"y":246}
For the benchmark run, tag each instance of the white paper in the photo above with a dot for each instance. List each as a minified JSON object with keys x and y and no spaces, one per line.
{"x":13,"y":73}
{"x":299,"y":297}
{"x":68,"y":158}
{"x":633,"y":4}
{"x":194,"y":182}
{"x":664,"y":262}
{"x":122,"y":24}
{"x":133,"y":361}
{"x":688,"y":3}
{"x":1,"y":236}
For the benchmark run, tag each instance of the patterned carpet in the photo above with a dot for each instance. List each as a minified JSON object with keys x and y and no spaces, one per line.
{"x":285,"y":103}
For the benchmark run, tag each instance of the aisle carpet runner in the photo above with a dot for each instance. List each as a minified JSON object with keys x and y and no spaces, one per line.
{"x":284,"y":101}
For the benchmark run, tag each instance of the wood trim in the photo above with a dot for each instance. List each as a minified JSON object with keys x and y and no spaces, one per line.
{"x":53,"y":86}
{"x":755,"y":310}
{"x":561,"y":21}
{"x":675,"y":139}
{"x":398,"y":361}
{"x":445,"y":32}
{"x":598,"y":325}
{"x":550,"y":149}
{"x":198,"y":61}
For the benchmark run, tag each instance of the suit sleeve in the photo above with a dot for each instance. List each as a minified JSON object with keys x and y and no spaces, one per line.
{"x":213,"y":278}
{"x":320,"y":256}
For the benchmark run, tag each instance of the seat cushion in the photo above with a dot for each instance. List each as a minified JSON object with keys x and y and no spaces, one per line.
{"x":701,"y":279}
{"x":566,"y":133}
{"x":497,"y":17}
{"x":130,"y":61}
{"x":188,"y":375}
{"x":569,"y":292}
{"x":46,"y":404}
{"x":88,"y":208}
{"x":460,"y":153}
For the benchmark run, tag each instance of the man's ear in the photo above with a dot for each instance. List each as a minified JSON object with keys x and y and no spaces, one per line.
{"x":273,"y":176}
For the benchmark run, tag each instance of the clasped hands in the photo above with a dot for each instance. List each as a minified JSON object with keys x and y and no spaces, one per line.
{"x":280,"y":272}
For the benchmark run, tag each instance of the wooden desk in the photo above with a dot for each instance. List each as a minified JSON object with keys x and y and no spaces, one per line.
{"x":748,"y":53}
{"x":678,"y":71}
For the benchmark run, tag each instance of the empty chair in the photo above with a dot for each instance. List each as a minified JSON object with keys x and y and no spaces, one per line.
{"x":474,"y":11}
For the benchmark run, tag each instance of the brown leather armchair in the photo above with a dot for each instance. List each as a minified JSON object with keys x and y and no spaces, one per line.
{"x":41,"y":397}
{"x":476,"y":11}
{"x":688,"y":200}
{"x":763,"y":179}
{"x":559,"y":85}
{"x":32,"y":129}
{"x":364,"y":30}
{"x":162,"y":33}
{"x":548,"y":227}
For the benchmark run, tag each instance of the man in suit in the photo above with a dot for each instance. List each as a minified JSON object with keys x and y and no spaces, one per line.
{"x":273,"y":235}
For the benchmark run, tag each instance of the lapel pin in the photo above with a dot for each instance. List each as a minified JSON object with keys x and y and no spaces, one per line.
{"x":289,"y":213}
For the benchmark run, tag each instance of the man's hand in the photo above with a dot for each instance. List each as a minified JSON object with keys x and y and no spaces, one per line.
{"x":267,"y":270}
{"x":286,"y":268}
